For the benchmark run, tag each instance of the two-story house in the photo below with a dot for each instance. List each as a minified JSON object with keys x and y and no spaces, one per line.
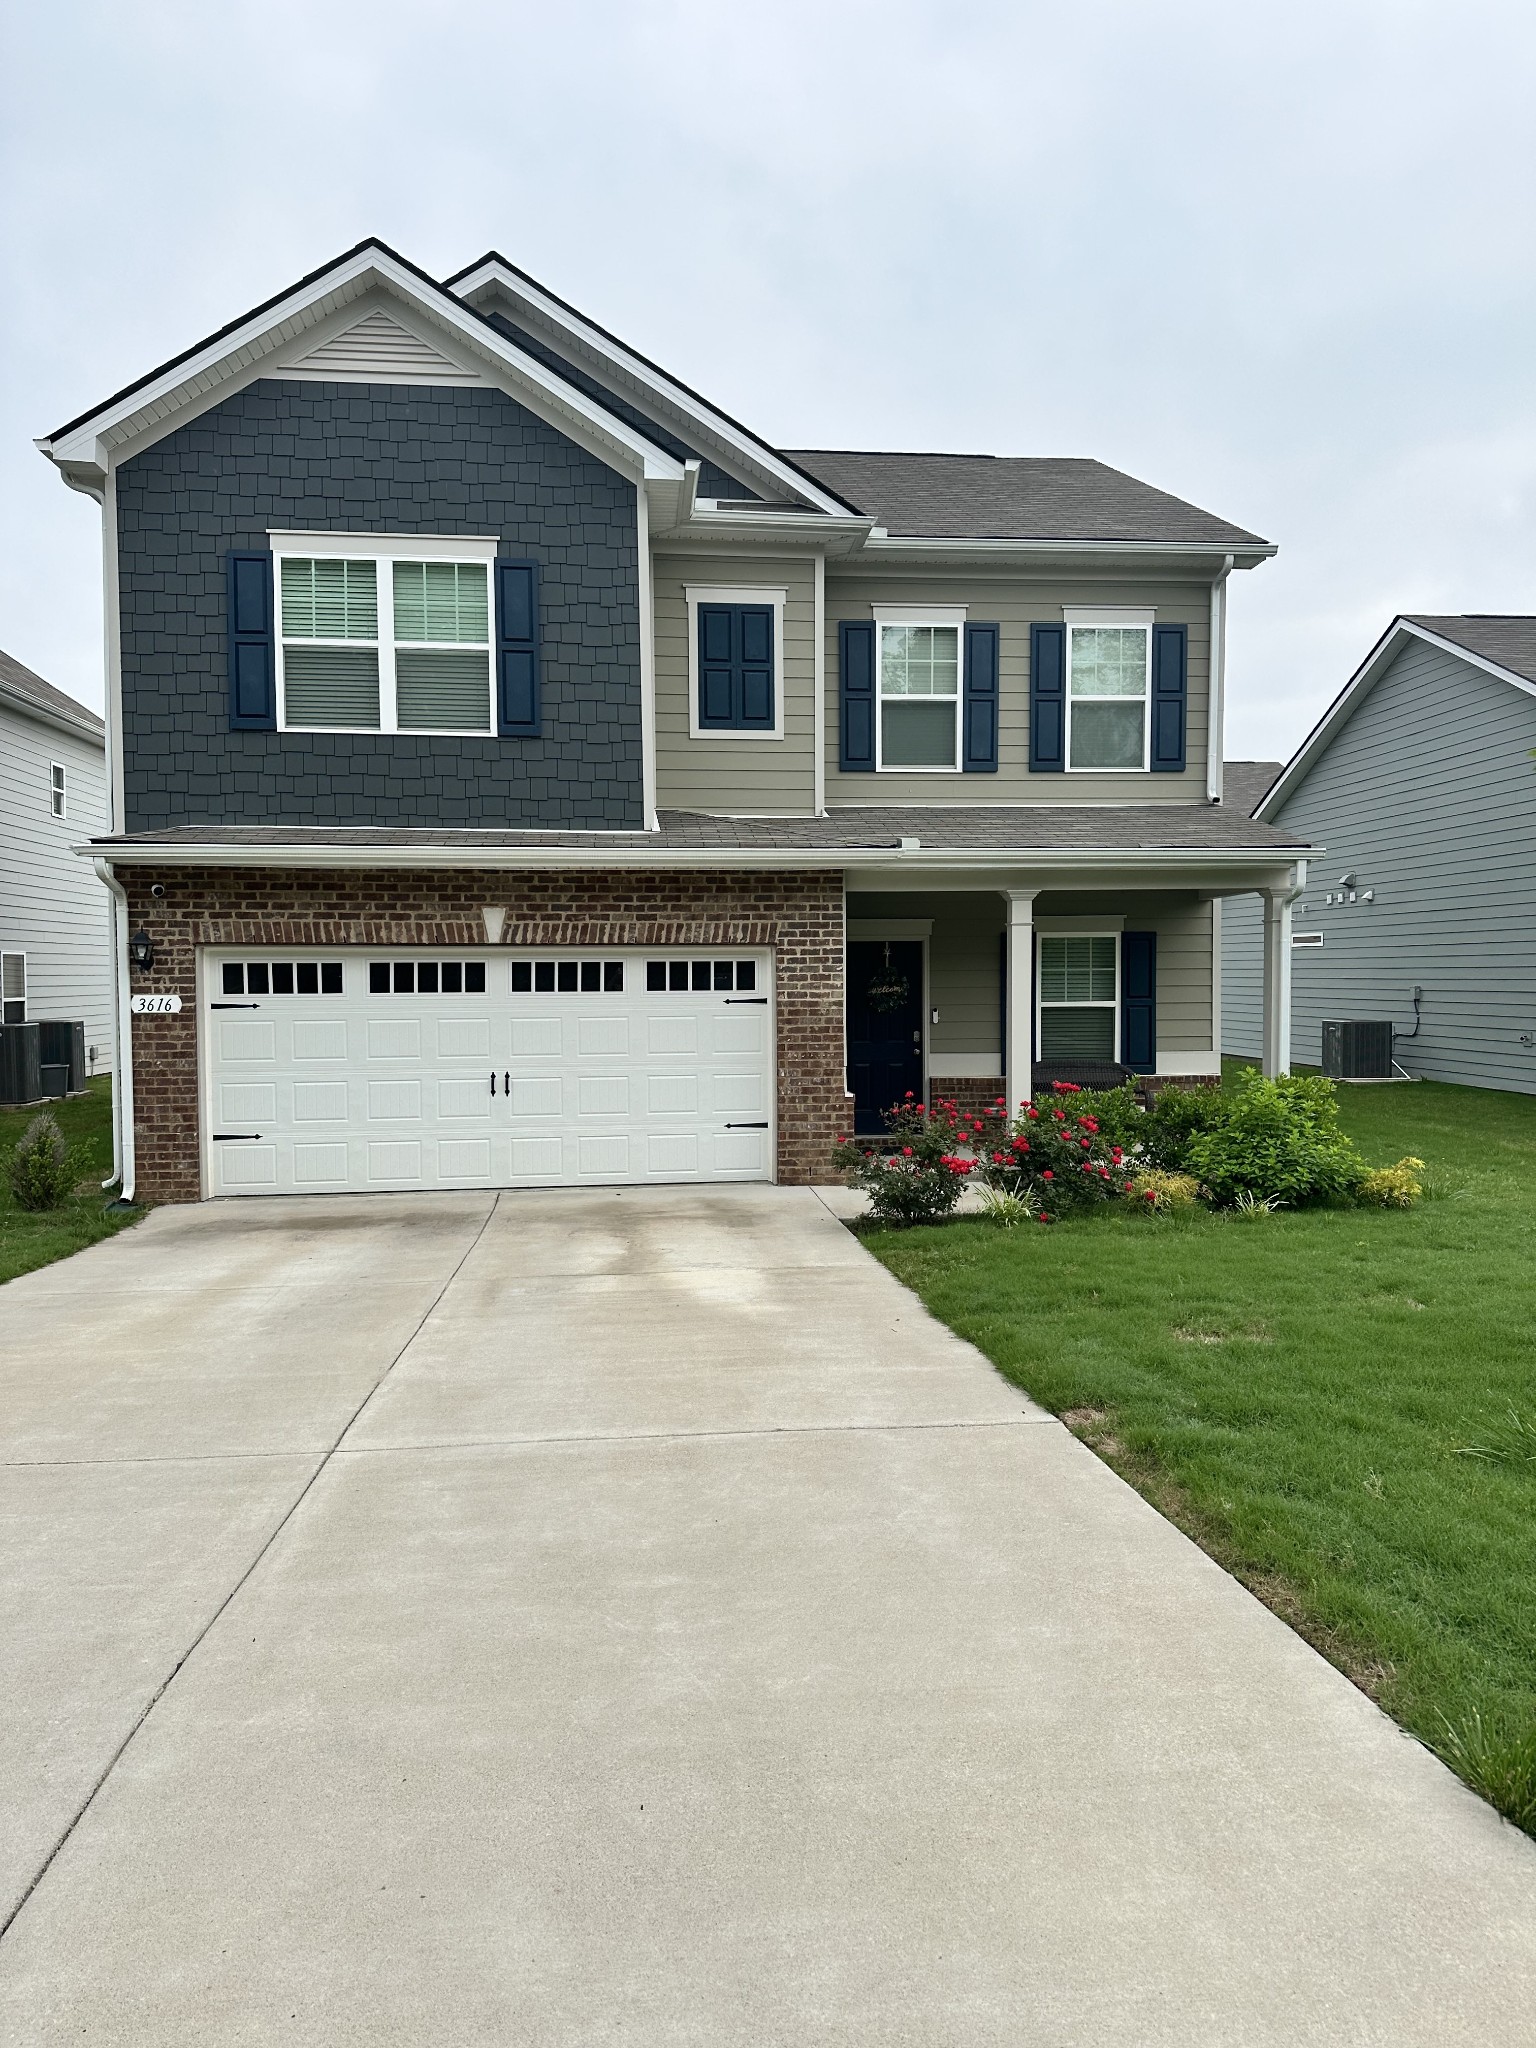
{"x":523,"y":774}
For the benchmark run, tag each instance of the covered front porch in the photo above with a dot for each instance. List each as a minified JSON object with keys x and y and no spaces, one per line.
{"x":973,"y":993}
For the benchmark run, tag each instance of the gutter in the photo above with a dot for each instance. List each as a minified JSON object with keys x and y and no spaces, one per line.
{"x":1215,"y":740}
{"x":123,"y":1163}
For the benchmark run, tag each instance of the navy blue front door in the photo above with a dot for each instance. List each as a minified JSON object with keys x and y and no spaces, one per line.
{"x":885,"y":1027}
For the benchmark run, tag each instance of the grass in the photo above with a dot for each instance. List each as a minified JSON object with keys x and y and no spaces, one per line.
{"x":29,"y":1239}
{"x":1338,"y":1404}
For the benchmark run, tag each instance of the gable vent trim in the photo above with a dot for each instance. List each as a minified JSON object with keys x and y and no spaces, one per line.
{"x":378,"y":350}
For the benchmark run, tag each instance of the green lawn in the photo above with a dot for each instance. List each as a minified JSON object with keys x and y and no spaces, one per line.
{"x":1303,"y":1392}
{"x":28,"y":1239}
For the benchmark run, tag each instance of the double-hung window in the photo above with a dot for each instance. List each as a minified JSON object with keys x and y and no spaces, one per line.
{"x":1079,"y":996}
{"x":57,"y":799}
{"x":918,"y":682}
{"x":382,"y":637}
{"x":1109,"y":686}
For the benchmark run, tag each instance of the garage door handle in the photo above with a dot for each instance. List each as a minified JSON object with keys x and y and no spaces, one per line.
{"x":234,"y":1137}
{"x":748,"y":1127}
{"x":234,"y":1006}
{"x":729,"y":999}
{"x":493,"y":1080}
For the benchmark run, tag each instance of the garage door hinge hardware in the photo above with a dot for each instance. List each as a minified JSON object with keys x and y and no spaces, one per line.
{"x":729,"y":999}
{"x":748,"y":1127}
{"x":234,"y":1006}
{"x":234,"y":1137}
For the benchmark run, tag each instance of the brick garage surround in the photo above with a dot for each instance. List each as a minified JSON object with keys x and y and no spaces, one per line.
{"x":799,"y":915}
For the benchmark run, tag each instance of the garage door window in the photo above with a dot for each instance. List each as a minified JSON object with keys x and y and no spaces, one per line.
{"x":665,"y":977}
{"x":426,"y":977}
{"x":281,"y":977}
{"x":568,"y":977}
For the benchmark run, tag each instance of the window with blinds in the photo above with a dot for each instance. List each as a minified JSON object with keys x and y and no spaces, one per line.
{"x":1079,"y":997}
{"x":385,"y":645}
{"x":13,"y":988}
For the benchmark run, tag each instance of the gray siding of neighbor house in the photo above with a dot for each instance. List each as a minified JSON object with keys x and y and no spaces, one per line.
{"x":755,"y":775}
{"x":368,"y":458}
{"x":1428,"y":795}
{"x":1016,"y":603}
{"x":965,"y":964}
{"x":52,"y":908}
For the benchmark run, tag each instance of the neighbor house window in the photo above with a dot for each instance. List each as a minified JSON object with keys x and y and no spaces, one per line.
{"x":56,"y":798}
{"x":13,"y":988}
{"x":1109,"y":675}
{"x":1079,"y":991}
{"x":919,"y":696}
{"x":385,"y":643}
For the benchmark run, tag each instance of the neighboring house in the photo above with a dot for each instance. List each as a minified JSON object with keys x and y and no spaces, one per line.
{"x":54,"y":955}
{"x":1420,"y":782}
{"x":549,"y":781}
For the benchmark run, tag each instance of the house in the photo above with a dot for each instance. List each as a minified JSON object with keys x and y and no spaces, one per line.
{"x":1420,"y":780}
{"x":526,"y":774}
{"x":54,"y":957}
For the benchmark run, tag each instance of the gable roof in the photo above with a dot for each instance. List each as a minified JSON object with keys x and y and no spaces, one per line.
{"x":1501,"y":643}
{"x":20,"y":687}
{"x":1015,"y":497}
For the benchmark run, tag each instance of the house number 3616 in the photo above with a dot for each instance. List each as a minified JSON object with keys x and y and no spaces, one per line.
{"x":156,"y":1006}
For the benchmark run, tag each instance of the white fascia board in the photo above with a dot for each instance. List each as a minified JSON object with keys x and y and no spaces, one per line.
{"x":888,"y":859}
{"x":559,"y":315}
{"x":836,"y":536}
{"x":1358,"y":688}
{"x":149,"y":410}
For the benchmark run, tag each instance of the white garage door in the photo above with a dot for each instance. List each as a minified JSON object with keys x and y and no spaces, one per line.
{"x":393,"y":1069}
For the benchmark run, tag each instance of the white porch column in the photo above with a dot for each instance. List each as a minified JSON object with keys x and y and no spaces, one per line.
{"x":1019,"y":1052}
{"x":1277,"y":980}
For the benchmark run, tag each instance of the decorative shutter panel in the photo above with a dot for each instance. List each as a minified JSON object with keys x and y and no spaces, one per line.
{"x":1047,"y":699}
{"x":1170,"y":693}
{"x":754,"y":628}
{"x":1138,"y":1001}
{"x":252,"y":651}
{"x":736,"y":667}
{"x":979,"y":753}
{"x":517,"y":649}
{"x":856,"y":696}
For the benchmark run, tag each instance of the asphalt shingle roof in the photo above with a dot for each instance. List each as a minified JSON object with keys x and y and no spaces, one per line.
{"x":1005,"y":828}
{"x":1012,"y":497}
{"x":16,"y":678}
{"x":1247,"y":783}
{"x":1509,"y":638}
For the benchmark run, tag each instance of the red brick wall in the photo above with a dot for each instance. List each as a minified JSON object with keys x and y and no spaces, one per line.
{"x":799,"y":915}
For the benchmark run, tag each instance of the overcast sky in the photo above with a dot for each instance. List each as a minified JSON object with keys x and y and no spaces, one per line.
{"x":1277,"y":261}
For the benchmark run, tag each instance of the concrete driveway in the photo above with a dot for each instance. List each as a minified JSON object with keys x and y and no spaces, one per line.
{"x":625,"y":1617}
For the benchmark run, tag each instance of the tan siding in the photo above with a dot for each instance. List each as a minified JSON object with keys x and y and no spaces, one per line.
{"x":754,"y":776}
{"x":1016,"y":603}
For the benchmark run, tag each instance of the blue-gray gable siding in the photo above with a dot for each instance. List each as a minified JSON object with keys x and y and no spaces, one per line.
{"x":364,"y":458}
{"x":1428,"y":794}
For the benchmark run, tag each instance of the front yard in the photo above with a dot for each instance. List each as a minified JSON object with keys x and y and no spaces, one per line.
{"x":1338,"y":1404}
{"x":35,"y":1238}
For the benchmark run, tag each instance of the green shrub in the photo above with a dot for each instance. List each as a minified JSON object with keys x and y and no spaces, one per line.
{"x":1392,"y":1187}
{"x":1176,"y":1118}
{"x":1120,"y":1117}
{"x":1278,"y":1142}
{"x":43,"y":1168}
{"x":917,"y":1175}
{"x":1054,"y":1155}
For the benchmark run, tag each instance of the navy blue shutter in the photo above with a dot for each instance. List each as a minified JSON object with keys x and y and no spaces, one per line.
{"x":1047,"y":699}
{"x":1170,"y":693}
{"x":517,"y":649}
{"x":1138,"y":1001}
{"x":979,"y":755}
{"x":252,"y":654}
{"x":736,"y":667}
{"x":856,"y":696}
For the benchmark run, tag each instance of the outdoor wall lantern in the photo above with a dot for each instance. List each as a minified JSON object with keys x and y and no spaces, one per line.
{"x":142,"y":950}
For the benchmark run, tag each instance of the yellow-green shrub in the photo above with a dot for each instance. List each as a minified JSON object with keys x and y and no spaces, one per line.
{"x":1392,"y":1187}
{"x":1158,"y":1189}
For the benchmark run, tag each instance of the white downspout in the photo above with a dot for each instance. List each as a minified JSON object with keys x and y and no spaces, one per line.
{"x":819,"y":684}
{"x":647,"y":597}
{"x":123,"y":1166}
{"x":1216,"y":741}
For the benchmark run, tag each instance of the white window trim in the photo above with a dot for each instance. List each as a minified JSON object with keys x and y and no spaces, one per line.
{"x":387,"y":548}
{"x":5,"y":957}
{"x":1084,"y":928}
{"x":58,"y":789}
{"x":727,"y":593}
{"x":952,"y":615}
{"x":1090,"y":616}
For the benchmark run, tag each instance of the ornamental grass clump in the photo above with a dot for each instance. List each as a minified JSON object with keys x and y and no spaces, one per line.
{"x":917,"y":1173}
{"x":43,"y":1169}
{"x":1054,"y":1156}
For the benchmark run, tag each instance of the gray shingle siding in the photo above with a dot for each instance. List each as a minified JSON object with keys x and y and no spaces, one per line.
{"x":1428,"y":794}
{"x":375,"y":459}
